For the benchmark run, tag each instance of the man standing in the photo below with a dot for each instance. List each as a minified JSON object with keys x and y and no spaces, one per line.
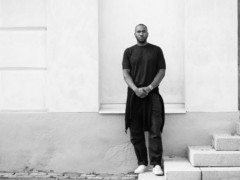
{"x":143,"y":69}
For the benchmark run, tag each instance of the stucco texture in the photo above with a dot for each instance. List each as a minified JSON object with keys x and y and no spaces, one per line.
{"x":89,"y":142}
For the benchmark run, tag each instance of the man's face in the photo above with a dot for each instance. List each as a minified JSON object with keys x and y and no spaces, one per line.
{"x":141,"y":34}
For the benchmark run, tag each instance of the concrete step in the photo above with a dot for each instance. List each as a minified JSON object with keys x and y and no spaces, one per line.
{"x":200,"y":156}
{"x":226,"y":142}
{"x":220,"y":173}
{"x":150,"y":176}
{"x":180,"y":169}
{"x":237,"y":128}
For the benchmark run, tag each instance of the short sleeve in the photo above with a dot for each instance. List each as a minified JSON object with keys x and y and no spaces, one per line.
{"x":161,"y":60}
{"x":126,"y":62}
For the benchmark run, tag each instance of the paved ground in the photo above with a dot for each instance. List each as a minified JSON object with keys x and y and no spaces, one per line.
{"x":62,"y":176}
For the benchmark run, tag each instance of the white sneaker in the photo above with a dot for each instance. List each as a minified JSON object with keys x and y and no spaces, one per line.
{"x":140,"y":169}
{"x":157,"y":170}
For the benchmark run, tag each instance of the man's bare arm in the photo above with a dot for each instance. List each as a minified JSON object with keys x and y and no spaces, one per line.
{"x":156,"y":81}
{"x":158,"y":78}
{"x":128,"y":79}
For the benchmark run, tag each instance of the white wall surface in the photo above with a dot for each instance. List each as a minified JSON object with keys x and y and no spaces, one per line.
{"x":117,"y":21}
{"x":22,"y":55}
{"x":199,"y":41}
{"x":211,"y":56}
{"x":22,"y":48}
{"x":72,"y":46}
{"x":23,"y":13}
{"x":23,"y":90}
{"x":89,"y":142}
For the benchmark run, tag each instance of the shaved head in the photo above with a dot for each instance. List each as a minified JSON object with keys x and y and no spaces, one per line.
{"x":141,"y":34}
{"x":143,"y":25}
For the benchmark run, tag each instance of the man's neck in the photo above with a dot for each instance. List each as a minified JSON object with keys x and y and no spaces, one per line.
{"x":142,"y":44}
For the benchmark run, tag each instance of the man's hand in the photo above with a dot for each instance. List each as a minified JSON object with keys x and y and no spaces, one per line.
{"x":146,"y":89}
{"x":140,"y":92}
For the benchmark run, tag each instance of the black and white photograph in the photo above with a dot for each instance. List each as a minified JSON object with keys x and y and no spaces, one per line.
{"x":119,"y":90}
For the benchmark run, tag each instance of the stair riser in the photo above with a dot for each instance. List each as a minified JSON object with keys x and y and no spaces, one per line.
{"x":237,"y":128}
{"x":227,"y":143}
{"x":183,"y":176}
{"x":212,"y":158}
{"x":220,"y":173}
{"x":180,"y":169}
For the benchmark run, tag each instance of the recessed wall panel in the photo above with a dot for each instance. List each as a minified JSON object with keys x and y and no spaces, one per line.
{"x":22,"y":90}
{"x":19,"y":13}
{"x":22,"y":48}
{"x":72,"y":47}
{"x":117,"y":21}
{"x":212,"y":56}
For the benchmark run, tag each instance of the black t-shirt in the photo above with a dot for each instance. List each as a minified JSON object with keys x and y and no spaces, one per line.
{"x":144,"y":63}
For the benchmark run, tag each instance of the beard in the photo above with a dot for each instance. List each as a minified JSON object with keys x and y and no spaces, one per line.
{"x":141,"y":40}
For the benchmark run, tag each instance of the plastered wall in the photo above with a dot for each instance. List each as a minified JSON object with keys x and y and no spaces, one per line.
{"x":72,"y":46}
{"x":117,"y":21}
{"x":211,"y":56}
{"x":89,"y":142}
{"x":66,"y":56}
{"x":59,"y":75}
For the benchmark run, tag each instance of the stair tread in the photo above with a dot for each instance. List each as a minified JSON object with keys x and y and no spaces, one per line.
{"x":226,"y":136}
{"x":209,"y":150}
{"x":178,"y":164}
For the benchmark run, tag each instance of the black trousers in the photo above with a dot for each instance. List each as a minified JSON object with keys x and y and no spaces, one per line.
{"x":155,"y":138}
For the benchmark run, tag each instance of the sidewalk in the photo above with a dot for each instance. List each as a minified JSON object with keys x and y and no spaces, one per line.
{"x":62,"y":176}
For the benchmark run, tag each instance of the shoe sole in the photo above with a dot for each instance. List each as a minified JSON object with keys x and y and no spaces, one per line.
{"x":140,"y":172}
{"x":159,"y":174}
